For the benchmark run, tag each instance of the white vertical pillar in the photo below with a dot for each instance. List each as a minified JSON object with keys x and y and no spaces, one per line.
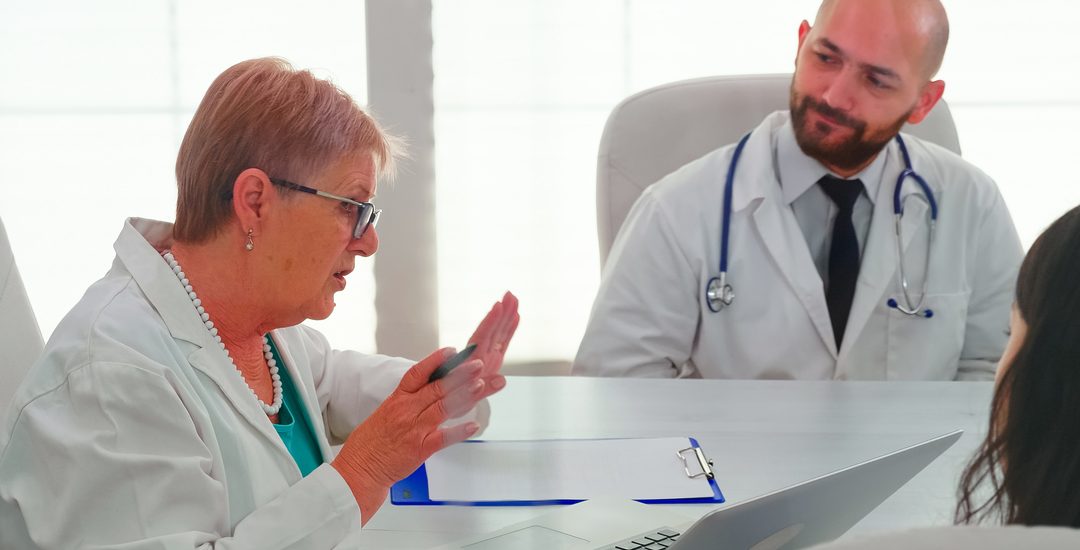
{"x":400,"y":94}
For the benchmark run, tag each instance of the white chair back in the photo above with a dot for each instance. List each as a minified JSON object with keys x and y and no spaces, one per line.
{"x":20,"y":337}
{"x":654,"y":132}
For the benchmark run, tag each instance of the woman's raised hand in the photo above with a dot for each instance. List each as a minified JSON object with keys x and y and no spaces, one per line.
{"x":406,"y":428}
{"x":493,"y":335}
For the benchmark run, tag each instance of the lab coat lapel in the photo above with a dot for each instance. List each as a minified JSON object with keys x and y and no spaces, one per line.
{"x":878,"y":269}
{"x":213,"y":363}
{"x":161,"y":287}
{"x":757,"y":187}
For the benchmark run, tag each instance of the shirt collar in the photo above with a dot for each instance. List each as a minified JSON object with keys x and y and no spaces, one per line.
{"x":799,"y":172}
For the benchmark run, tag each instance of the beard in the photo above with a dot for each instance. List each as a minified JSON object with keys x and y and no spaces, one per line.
{"x":851,"y":153}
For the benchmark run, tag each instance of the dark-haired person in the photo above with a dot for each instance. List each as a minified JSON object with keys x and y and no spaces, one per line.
{"x":181,"y":404}
{"x":1030,"y":459}
{"x":1026,"y":472}
{"x":814,"y":256}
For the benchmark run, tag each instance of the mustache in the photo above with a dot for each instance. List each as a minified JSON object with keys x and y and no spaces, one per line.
{"x":832,"y":112}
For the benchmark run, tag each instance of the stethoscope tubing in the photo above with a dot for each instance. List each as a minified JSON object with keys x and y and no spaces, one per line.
{"x":729,"y":186}
{"x":908,"y":172}
{"x":719,"y":294}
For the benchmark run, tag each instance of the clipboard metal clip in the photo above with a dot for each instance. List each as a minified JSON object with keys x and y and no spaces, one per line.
{"x":702,"y":460}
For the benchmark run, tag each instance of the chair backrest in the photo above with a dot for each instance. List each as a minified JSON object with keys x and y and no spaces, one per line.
{"x":654,"y":132}
{"x":20,"y":337}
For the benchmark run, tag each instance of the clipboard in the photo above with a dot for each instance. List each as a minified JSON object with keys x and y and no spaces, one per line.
{"x":414,"y":489}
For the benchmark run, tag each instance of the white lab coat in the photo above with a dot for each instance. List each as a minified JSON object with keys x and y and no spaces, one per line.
{"x":134,"y":430}
{"x":651,"y":318}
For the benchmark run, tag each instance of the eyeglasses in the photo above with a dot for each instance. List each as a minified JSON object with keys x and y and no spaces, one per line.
{"x":367,"y":216}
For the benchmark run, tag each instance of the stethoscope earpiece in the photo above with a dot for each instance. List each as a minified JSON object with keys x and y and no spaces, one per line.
{"x":922,"y":312}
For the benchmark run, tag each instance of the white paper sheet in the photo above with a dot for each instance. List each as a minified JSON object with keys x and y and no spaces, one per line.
{"x":581,"y":469}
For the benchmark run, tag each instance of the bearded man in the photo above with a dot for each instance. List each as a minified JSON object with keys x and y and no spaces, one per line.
{"x":813,"y":242}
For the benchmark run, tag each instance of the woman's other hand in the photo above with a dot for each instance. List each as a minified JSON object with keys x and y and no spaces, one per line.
{"x":406,"y":428}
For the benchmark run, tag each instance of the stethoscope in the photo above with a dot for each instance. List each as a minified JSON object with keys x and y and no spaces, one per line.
{"x":718,"y":291}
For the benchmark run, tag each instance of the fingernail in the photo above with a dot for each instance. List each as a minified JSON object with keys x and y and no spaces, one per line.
{"x":499,"y":383}
{"x":477,"y":385}
{"x":472,"y":428}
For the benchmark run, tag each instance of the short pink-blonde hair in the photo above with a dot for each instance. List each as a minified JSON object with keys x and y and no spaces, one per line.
{"x":265,"y":114}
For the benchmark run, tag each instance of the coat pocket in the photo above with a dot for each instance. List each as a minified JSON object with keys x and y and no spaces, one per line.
{"x":927,"y":348}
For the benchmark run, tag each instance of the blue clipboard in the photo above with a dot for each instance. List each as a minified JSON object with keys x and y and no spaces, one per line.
{"x":413,"y":491}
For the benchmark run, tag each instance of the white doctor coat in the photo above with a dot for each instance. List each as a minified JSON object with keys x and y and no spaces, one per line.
{"x":134,"y":429}
{"x":651,"y":318}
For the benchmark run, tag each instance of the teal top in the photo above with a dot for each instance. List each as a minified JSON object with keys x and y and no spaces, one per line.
{"x":294,"y":426}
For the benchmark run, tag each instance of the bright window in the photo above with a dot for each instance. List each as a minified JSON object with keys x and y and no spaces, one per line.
{"x":96,"y":98}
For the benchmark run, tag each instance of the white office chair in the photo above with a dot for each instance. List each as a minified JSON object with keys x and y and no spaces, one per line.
{"x":20,"y":338}
{"x":965,"y":538}
{"x":654,"y":132}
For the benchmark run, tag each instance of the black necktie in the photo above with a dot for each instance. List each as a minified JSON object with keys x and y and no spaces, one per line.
{"x":843,"y":254}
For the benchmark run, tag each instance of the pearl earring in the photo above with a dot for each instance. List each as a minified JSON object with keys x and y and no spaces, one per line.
{"x":250,"y":244}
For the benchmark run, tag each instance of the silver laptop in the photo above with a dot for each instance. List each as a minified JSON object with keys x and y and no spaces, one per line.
{"x":808,"y":513}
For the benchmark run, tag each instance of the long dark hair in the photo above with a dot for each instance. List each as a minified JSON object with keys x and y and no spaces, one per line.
{"x":1030,"y":458}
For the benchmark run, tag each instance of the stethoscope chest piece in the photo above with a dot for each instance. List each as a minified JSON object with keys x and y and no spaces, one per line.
{"x":718,"y":294}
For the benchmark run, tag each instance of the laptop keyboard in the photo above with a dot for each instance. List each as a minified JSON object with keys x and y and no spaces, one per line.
{"x":658,"y":539}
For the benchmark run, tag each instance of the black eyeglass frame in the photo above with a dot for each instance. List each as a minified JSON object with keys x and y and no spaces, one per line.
{"x":368,"y":215}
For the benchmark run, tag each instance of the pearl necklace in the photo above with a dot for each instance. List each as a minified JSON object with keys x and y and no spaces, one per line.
{"x":270,"y":409}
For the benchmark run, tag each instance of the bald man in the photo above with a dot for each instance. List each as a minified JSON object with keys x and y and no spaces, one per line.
{"x":814,"y":254}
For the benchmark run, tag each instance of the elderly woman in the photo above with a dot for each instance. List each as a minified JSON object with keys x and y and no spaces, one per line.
{"x":181,"y":405}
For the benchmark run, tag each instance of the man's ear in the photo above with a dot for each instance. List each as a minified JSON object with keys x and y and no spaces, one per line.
{"x":804,"y":31}
{"x":251,"y":198}
{"x":928,"y":97}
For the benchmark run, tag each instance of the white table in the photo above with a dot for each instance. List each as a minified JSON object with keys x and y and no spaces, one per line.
{"x":762,"y":436}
